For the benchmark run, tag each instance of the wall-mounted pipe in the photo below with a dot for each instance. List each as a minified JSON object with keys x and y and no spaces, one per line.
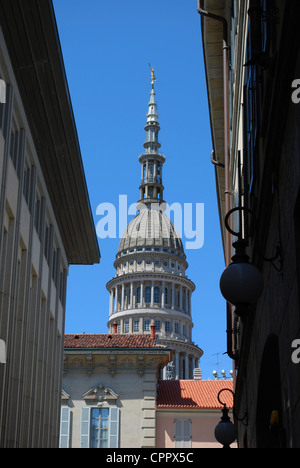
{"x":214,"y":161}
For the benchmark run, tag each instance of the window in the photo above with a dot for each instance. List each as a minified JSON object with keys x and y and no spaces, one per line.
{"x":256,"y":43}
{"x":126,"y":326}
{"x":168,"y":326}
{"x":146,"y":325}
{"x":136,"y":325}
{"x":157,"y":325}
{"x":157,"y":295}
{"x":182,"y":433}
{"x":176,"y":327}
{"x":150,"y":172}
{"x":64,"y":441}
{"x":166,"y":296}
{"x":148,"y":294}
{"x":99,"y":428}
{"x":158,"y":175}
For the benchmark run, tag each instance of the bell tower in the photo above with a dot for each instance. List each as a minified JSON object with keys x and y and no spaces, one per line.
{"x":152,"y":189}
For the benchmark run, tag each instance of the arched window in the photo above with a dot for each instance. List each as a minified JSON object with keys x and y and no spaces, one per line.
{"x":148,"y":294}
{"x":156,"y":295}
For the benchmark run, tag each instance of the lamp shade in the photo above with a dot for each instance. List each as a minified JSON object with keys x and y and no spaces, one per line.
{"x":241,"y":283}
{"x":225,"y":433}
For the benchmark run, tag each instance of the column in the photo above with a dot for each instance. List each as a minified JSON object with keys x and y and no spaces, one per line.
{"x":173,"y":296}
{"x":190,"y":304}
{"x":177,"y":365}
{"x":111,"y":302}
{"x":131,"y":295}
{"x":152,"y":294}
{"x":122,"y":297}
{"x":142,"y":294}
{"x":186,"y":301}
{"x":193,"y":365}
{"x":186,"y":366}
{"x":163,"y":295}
{"x":180,"y":298}
{"x":116,"y":299}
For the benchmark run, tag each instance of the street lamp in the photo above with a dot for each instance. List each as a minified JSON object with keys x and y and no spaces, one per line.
{"x":241,"y":282}
{"x":225,"y":431}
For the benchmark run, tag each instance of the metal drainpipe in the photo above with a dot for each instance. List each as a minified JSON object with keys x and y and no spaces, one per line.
{"x":228,"y":246}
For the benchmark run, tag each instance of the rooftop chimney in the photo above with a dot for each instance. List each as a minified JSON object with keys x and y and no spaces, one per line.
{"x":197,"y":374}
{"x":152,"y":326}
{"x":115,"y":328}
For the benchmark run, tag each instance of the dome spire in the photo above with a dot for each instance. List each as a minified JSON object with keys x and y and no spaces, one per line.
{"x":152,"y":76}
{"x":151,"y":188}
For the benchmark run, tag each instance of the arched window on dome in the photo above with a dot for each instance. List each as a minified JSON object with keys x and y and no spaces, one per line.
{"x":147,"y":294}
{"x":157,"y":295}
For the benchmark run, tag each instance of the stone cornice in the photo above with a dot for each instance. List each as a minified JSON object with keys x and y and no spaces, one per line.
{"x":115,"y":360}
{"x":146,"y":253}
{"x":151,"y":311}
{"x":148,"y":276}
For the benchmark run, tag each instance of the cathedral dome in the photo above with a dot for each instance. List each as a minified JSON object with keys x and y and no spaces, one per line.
{"x":151,"y":228}
{"x":151,"y":286}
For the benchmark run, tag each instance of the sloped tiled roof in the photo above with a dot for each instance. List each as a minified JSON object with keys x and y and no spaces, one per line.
{"x":194,"y":394}
{"x":109,"y":341}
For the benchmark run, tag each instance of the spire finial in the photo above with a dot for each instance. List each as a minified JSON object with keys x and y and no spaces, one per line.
{"x":152,"y":76}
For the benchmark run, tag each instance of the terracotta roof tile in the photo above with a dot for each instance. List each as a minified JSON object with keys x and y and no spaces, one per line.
{"x":109,"y":341}
{"x":194,"y":394}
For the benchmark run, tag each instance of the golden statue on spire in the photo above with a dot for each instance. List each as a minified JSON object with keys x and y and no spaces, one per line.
{"x":152,"y":76}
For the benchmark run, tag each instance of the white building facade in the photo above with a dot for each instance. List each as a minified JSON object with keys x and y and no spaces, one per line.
{"x":40,"y":230}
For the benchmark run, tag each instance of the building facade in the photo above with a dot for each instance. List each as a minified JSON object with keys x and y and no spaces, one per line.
{"x":109,"y":390}
{"x":188,"y":412}
{"x":151,"y":285}
{"x":252,"y":62}
{"x":41,"y":219}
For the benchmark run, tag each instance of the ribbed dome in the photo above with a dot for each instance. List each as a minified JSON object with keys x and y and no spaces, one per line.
{"x":151,"y":228}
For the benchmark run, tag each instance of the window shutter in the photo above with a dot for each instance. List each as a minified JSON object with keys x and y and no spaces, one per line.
{"x":64,"y":441}
{"x":182,"y":432}
{"x":114,"y":416}
{"x":85,"y":428}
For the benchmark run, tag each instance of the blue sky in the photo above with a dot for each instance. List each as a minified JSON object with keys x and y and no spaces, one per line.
{"x":107,"y":46}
